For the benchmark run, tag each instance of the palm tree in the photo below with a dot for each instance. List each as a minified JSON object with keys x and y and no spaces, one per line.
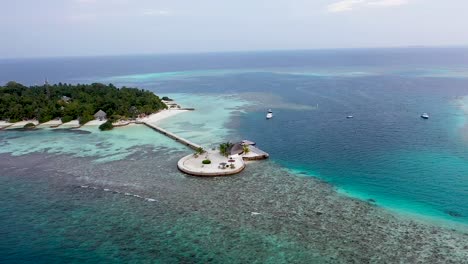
{"x":200,"y":150}
{"x":224,"y":148}
{"x":246,"y":149}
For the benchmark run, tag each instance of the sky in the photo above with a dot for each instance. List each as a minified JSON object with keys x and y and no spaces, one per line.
{"x":43,"y":28}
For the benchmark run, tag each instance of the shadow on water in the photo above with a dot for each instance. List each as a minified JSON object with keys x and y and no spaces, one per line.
{"x":73,"y":131}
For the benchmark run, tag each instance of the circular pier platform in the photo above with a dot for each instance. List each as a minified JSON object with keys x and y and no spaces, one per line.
{"x":220,"y":165}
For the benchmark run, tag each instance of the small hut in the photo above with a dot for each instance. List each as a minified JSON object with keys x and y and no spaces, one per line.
{"x":100,"y":115}
{"x":236,"y":149}
{"x":66,"y":99}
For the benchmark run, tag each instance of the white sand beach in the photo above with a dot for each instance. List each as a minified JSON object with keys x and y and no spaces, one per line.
{"x":156,"y":117}
{"x":21,"y":124}
{"x":95,"y":122}
{"x":4,"y":124}
{"x":51,"y":123}
{"x":71,"y":124}
{"x":122,"y":123}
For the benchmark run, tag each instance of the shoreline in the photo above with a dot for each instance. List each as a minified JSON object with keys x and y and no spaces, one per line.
{"x":161,"y":115}
{"x":74,"y":124}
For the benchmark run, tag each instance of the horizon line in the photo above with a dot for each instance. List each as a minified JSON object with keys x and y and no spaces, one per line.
{"x":233,"y":51}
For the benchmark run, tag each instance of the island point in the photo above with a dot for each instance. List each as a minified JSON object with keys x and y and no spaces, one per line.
{"x":66,"y":106}
{"x":229,"y":159}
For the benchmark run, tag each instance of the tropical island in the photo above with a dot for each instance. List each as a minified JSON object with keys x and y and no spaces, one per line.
{"x":60,"y":104}
{"x":82,"y":102}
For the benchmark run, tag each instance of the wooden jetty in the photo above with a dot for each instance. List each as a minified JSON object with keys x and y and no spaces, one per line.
{"x":173,"y":136}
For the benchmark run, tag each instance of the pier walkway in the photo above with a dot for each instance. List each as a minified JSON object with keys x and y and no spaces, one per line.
{"x":255,"y":154}
{"x":173,"y":136}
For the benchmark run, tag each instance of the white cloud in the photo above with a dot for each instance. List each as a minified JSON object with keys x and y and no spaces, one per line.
{"x":156,"y":12}
{"x":388,"y":2}
{"x":345,"y":5}
{"x":349,"y":5}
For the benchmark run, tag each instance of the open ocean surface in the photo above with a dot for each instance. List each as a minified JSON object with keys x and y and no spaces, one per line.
{"x":386,"y":153}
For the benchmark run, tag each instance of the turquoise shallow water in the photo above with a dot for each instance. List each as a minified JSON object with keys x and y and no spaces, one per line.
{"x":209,"y":124}
{"x":113,"y":145}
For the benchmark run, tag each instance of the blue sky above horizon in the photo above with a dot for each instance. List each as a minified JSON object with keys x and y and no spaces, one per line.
{"x":31,"y":28}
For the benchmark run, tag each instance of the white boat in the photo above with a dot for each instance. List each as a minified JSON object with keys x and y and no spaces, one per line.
{"x":269,"y":114}
{"x":350,"y":116}
{"x":425,"y":116}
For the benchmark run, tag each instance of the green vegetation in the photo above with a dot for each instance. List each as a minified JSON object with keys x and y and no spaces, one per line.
{"x":69,"y":102}
{"x":66,"y":119}
{"x":106,"y":126}
{"x":224,"y":148}
{"x":246,"y":149}
{"x":207,"y":161}
{"x":29,"y":125}
{"x":85,"y":118}
{"x":165,"y":98}
{"x":200,"y":151}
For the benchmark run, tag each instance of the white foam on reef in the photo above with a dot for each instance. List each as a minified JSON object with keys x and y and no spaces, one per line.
{"x":145,"y":77}
{"x":118,"y":192}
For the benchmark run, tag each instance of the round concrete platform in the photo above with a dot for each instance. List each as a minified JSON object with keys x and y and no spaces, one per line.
{"x":192,"y":164}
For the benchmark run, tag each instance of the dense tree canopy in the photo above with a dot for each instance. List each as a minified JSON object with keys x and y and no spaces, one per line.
{"x":69,"y":102}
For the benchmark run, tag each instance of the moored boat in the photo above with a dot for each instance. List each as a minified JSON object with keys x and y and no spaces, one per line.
{"x":269,"y":114}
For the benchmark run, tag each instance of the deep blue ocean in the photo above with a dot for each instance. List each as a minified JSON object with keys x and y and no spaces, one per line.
{"x":386,"y":153}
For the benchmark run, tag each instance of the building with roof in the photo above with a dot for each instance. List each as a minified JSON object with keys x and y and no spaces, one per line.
{"x":100,"y":115}
{"x":236,"y":149}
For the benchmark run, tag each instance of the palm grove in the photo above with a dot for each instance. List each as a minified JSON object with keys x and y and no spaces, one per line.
{"x":70,"y":102}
